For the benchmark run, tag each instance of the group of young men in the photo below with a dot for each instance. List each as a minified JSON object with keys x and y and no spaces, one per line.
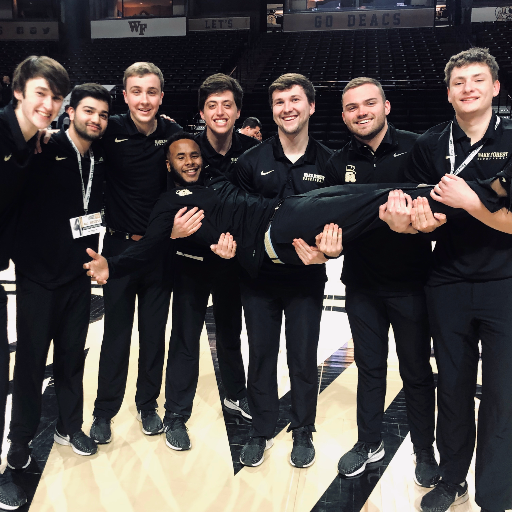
{"x":267,"y":204}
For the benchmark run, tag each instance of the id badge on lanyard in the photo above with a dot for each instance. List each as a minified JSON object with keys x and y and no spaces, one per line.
{"x":90,"y":223}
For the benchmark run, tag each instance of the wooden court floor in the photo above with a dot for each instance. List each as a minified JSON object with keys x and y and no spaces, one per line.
{"x":139,"y":473}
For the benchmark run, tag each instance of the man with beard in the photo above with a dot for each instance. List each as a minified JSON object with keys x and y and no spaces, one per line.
{"x":384,"y":274}
{"x":61,"y":210}
{"x":39,"y":85}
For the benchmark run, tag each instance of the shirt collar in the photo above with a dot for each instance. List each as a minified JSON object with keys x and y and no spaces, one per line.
{"x":132,"y":129}
{"x":308,"y":157}
{"x":388,"y":140}
{"x":209,"y":152}
{"x":490,"y":133}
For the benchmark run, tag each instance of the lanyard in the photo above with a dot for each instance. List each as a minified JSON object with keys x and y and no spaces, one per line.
{"x":86,"y":195}
{"x":470,"y":157}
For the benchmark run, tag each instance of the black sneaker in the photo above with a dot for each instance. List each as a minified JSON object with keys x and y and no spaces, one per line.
{"x":18,"y":456}
{"x":303,"y":451}
{"x":100,"y":431}
{"x":81,"y":444}
{"x":238,"y":407}
{"x":443,"y":496}
{"x":176,"y":436}
{"x":427,"y":469}
{"x":151,"y":422}
{"x":354,"y":461}
{"x":11,"y":496}
{"x":253,"y":450}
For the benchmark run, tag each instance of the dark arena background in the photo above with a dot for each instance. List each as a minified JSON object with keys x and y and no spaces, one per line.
{"x":404,"y":44}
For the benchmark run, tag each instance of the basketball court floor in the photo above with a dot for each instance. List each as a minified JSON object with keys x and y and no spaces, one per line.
{"x":137,"y":473}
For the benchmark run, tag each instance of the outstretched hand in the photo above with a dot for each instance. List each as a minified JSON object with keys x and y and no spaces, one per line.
{"x":455,"y":192}
{"x":97,"y":268}
{"x":329,"y":241}
{"x":396,"y":212}
{"x":225,"y":247}
{"x":422,"y":218}
{"x":186,"y":222}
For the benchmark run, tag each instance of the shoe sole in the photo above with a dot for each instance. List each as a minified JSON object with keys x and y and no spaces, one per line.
{"x":268,"y":445}
{"x":459,"y":501}
{"x":176,"y":448}
{"x":3,"y":506}
{"x":64,"y":442}
{"x":148,"y":433}
{"x":22,"y":467}
{"x":421,"y":485}
{"x":231,"y":408}
{"x":305,"y":465}
{"x":375,"y":458}
{"x":100,"y":442}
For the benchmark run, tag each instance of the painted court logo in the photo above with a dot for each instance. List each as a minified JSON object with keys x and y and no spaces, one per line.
{"x":138,"y":26}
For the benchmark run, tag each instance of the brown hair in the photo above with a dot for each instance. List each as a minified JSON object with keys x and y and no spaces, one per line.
{"x":287,"y":81}
{"x":41,"y":67}
{"x":219,"y":82}
{"x":142,"y":69}
{"x":471,"y":56}
{"x":363,"y":80}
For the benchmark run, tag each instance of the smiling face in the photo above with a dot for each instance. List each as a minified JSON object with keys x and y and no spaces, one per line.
{"x":220,"y":112}
{"x":472,"y":89}
{"x":90,"y":118}
{"x":291,"y":110}
{"x":365,"y":111}
{"x":143,"y":96}
{"x":37,"y":106}
{"x":184,"y":162}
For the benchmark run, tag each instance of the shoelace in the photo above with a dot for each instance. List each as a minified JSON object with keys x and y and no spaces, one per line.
{"x":449,"y":488}
{"x":424,"y":455}
{"x":301,"y":437}
{"x":177,"y":423}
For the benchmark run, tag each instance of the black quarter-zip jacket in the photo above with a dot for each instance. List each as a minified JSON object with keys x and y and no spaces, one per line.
{"x":381,"y":262}
{"x":466,"y":249}
{"x":15,"y":157}
{"x":45,"y":250}
{"x":137,"y":172}
{"x":266,"y":170}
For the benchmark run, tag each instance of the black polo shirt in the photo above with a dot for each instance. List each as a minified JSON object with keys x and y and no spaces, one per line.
{"x":45,"y":250}
{"x":137,"y":172}
{"x":225,"y":163}
{"x":15,"y":156}
{"x":266,"y":170}
{"x":381,"y":261}
{"x":466,"y":249}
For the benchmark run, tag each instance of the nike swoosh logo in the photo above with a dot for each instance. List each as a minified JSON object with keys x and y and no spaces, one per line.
{"x":268,"y":172}
{"x":7,"y":158}
{"x":60,"y":158}
{"x":399,"y":154}
{"x":120,"y":140}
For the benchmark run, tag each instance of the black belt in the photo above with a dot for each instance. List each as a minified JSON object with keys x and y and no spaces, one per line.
{"x":123,"y":236}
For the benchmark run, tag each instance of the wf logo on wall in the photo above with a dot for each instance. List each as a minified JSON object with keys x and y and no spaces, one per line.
{"x":137,"y":26}
{"x":504,"y":13}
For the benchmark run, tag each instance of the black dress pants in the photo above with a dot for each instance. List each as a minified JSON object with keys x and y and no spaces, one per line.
{"x":264,"y":305}
{"x":370,"y":317}
{"x":43,"y":315}
{"x":151,"y":285}
{"x":193,"y":281}
{"x":460,"y":315}
{"x":4,"y":360}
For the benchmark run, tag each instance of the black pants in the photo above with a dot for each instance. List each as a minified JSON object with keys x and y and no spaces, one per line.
{"x":461,"y":314}
{"x":264,"y":305}
{"x":43,"y":315}
{"x":4,"y":359}
{"x":152,"y":286}
{"x":193,"y":282}
{"x":370,"y":317}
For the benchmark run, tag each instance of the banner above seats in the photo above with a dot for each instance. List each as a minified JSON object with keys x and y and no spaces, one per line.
{"x":139,"y":27}
{"x":23,"y":30}
{"x":359,"y":19}
{"x":213,"y":24}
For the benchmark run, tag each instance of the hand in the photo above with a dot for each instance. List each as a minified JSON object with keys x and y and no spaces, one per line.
{"x":97,"y":269}
{"x":308,"y":254}
{"x":225,"y":247}
{"x":186,"y":222}
{"x":396,"y":213}
{"x":44,"y":134}
{"x":422,"y":218}
{"x":167,"y":118}
{"x":455,"y":192}
{"x":329,"y":241}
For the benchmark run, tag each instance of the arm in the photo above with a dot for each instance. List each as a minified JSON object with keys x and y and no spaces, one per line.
{"x":242,"y":176}
{"x":455,"y":192}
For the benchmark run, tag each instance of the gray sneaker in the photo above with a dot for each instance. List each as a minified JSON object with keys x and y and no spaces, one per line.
{"x":443,"y":496}
{"x":101,"y":432}
{"x":252,"y":453}
{"x":303,"y":451}
{"x":18,"y":456}
{"x":151,"y":423}
{"x":354,"y":461}
{"x":426,"y":473}
{"x":176,"y":436}
{"x":238,"y":407}
{"x":11,"y":496}
{"x":81,"y":444}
